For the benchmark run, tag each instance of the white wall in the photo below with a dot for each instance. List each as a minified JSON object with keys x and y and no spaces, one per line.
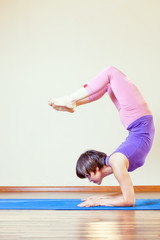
{"x":50,"y":48}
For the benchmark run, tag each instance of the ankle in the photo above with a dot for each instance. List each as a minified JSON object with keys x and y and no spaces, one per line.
{"x":72,"y":100}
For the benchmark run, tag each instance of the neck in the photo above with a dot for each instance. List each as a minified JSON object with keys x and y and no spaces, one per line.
{"x":106,"y":170}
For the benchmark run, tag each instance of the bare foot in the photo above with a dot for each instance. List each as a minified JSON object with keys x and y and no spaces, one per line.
{"x":62,"y":104}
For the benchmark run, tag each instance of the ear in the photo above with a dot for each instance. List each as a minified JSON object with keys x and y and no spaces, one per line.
{"x":97,"y":170}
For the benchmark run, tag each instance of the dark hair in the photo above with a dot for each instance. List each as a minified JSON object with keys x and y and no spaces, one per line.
{"x":88,"y":161}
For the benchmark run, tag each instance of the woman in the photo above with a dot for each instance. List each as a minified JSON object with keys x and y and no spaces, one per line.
{"x":136,"y":117}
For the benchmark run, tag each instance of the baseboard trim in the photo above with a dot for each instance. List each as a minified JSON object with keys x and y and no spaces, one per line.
{"x":75,"y":189}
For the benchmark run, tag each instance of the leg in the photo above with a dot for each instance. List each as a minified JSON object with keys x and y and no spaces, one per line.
{"x":97,"y":86}
{"x":57,"y":103}
{"x":91,"y":97}
{"x":91,"y":91}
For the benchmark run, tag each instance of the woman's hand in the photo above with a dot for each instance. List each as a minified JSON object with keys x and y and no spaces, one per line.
{"x":90,"y":203}
{"x":93,"y":201}
{"x":92,"y":198}
{"x":100,"y":197}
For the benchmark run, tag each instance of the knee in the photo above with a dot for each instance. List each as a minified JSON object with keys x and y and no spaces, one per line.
{"x":110,"y":67}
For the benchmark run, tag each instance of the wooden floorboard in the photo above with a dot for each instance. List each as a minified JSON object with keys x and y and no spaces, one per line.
{"x":51,"y":224}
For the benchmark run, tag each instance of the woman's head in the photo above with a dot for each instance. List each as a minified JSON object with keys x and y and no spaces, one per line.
{"x":89,"y":161}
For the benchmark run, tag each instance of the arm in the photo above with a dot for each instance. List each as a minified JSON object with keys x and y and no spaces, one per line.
{"x":126,"y":199}
{"x":119,"y":165}
{"x":115,"y":195}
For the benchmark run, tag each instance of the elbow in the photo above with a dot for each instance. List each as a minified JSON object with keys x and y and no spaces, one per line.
{"x":130,"y":203}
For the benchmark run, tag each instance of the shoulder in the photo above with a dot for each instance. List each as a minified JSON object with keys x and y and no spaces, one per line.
{"x":118,"y":160}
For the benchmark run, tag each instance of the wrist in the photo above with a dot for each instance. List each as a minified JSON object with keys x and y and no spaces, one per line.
{"x":99,"y":202}
{"x":104,"y":202}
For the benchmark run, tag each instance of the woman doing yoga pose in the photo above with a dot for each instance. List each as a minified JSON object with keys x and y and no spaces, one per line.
{"x":136,"y":117}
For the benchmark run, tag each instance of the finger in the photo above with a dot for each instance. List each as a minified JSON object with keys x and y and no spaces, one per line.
{"x":80,"y":205}
{"x":86,"y":199}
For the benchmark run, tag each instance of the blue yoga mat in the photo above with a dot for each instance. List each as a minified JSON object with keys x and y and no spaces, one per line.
{"x":71,"y":204}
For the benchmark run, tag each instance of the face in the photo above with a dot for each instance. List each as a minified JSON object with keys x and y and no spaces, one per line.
{"x":95,"y":177}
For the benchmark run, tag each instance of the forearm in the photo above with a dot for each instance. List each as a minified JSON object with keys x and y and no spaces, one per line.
{"x":116,"y":195}
{"x":118,"y":201}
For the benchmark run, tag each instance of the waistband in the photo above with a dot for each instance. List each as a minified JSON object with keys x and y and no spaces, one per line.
{"x":142,"y":126}
{"x":144,"y":120}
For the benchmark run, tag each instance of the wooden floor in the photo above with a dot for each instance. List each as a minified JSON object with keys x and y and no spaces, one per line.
{"x":51,"y":224}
